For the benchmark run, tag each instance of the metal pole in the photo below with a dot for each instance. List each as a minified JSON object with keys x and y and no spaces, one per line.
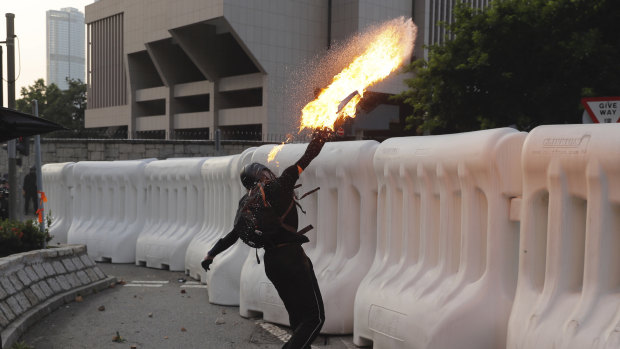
{"x":10,"y":72}
{"x":218,"y":138}
{"x":37,"y":161}
{"x":1,"y":77}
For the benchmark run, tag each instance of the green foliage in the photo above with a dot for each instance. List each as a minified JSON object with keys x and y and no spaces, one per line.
{"x":519,"y":62}
{"x":16,"y":237}
{"x":64,"y":107}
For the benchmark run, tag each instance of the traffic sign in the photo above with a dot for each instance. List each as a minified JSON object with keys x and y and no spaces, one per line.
{"x":340,"y":132}
{"x":602,"y":109}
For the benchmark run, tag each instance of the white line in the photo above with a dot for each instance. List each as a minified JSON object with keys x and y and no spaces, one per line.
{"x":143,"y":285}
{"x":194,"y":286}
{"x":148,"y":282}
{"x":193,"y":283}
{"x":278,"y":332}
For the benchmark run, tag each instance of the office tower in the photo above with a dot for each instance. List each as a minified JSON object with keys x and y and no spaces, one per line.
{"x":65,"y":46}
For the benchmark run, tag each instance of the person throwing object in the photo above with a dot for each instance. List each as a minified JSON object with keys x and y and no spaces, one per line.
{"x":267,"y":218}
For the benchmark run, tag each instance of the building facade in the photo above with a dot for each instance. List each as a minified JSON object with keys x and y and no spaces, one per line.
{"x":184,"y":69}
{"x":65,"y":49}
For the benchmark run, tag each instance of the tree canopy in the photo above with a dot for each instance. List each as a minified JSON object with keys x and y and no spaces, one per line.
{"x":518,"y":62}
{"x":64,"y":107}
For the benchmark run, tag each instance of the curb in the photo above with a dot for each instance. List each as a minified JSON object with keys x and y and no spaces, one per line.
{"x":12,"y":333}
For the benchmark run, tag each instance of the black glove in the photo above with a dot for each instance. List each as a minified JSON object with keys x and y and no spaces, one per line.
{"x":206,"y":263}
{"x":322,"y":134}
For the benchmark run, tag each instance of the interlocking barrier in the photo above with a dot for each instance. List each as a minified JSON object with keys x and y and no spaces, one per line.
{"x":342,"y":244}
{"x":222,"y":193}
{"x":174,"y":212}
{"x":569,"y":279}
{"x":56,"y":179}
{"x":108,"y":208}
{"x":445,"y":269}
{"x":485,"y":239}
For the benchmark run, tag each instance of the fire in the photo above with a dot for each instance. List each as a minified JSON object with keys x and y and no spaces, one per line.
{"x":274,"y":152}
{"x":390,"y":45}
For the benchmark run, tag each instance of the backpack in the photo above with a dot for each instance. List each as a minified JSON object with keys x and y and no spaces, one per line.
{"x":256,"y":221}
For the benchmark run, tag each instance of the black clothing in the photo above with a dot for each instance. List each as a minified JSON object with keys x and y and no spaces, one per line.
{"x":291,"y":272}
{"x":30,"y":192}
{"x":286,"y":264}
{"x":279,"y":193}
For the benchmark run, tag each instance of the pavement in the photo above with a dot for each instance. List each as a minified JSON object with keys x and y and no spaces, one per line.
{"x":152,"y":308}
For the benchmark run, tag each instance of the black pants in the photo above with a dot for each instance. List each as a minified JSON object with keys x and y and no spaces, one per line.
{"x":27,"y":199}
{"x":291,"y":272}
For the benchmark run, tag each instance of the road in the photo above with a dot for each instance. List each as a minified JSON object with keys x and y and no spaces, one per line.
{"x":153,"y":308}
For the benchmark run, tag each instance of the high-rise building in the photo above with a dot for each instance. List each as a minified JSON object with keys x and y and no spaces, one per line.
{"x":65,"y":46}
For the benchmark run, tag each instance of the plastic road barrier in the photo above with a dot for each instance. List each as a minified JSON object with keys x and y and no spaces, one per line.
{"x":444,"y":273}
{"x":224,"y":278}
{"x":223,"y":190}
{"x":568,"y":293}
{"x":59,"y":192}
{"x":107,"y":208}
{"x":174,"y":212}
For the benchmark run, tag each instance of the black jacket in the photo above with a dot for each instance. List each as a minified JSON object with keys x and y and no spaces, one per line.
{"x":279,"y":193}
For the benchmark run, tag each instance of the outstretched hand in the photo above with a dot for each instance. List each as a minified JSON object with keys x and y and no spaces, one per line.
{"x":206,"y":263}
{"x":322,"y":134}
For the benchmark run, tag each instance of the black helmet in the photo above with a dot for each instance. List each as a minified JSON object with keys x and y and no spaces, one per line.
{"x":252,"y":173}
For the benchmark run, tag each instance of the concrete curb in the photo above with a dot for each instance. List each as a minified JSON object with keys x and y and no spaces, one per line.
{"x":12,"y":333}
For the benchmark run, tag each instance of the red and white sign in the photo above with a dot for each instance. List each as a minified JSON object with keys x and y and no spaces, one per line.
{"x":340,"y":132}
{"x":602,"y":109}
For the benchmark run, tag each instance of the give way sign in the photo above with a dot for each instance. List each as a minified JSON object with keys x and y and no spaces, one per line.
{"x":602,"y":109}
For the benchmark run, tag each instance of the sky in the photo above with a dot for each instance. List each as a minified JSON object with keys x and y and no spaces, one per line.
{"x":30,"y":43}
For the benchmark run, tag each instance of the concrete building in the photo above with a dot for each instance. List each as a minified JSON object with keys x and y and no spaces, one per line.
{"x":65,"y":46}
{"x":183,"y":69}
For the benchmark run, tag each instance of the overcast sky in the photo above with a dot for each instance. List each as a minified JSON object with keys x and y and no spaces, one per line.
{"x":30,"y":30}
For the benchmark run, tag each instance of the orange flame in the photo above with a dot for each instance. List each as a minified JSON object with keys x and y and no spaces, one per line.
{"x":390,"y":45}
{"x":274,"y":152}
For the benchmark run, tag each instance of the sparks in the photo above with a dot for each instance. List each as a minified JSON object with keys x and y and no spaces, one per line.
{"x":390,"y":45}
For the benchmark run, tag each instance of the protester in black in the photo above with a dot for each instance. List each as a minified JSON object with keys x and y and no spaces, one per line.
{"x":30,"y":191}
{"x":286,"y":264}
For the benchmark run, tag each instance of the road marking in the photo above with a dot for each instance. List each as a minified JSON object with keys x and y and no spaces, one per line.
{"x":145,"y":283}
{"x":277,"y":332}
{"x":194,"y":286}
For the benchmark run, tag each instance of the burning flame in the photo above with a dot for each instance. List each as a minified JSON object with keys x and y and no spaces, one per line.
{"x":274,"y":151}
{"x":390,"y":45}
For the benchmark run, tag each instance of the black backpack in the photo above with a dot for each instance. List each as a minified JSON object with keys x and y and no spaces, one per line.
{"x":256,"y":221}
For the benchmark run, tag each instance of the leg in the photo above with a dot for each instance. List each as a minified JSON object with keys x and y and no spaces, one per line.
{"x":292,"y":274}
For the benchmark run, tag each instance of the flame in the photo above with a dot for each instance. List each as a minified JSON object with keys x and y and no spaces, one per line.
{"x":389,"y":46}
{"x":274,"y":152}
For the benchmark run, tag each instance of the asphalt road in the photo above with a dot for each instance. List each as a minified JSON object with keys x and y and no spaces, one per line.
{"x":153,"y":308}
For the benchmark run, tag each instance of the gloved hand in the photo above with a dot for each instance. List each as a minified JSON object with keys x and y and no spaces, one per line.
{"x":322,"y":134}
{"x":206,"y":263}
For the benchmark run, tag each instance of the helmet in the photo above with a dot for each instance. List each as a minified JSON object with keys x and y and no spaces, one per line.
{"x":252,"y":173}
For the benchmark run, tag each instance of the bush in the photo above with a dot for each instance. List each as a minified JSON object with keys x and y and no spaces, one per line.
{"x":16,"y":237}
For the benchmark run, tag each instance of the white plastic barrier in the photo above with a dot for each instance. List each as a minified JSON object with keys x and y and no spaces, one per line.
{"x":568,"y":294}
{"x":108,"y":208}
{"x":174,"y":212}
{"x":342,"y":244}
{"x":444,"y":273}
{"x":59,"y":192}
{"x":223,"y":190}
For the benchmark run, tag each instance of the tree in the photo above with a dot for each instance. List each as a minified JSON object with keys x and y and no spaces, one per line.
{"x":64,"y":107}
{"x":519,"y":62}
